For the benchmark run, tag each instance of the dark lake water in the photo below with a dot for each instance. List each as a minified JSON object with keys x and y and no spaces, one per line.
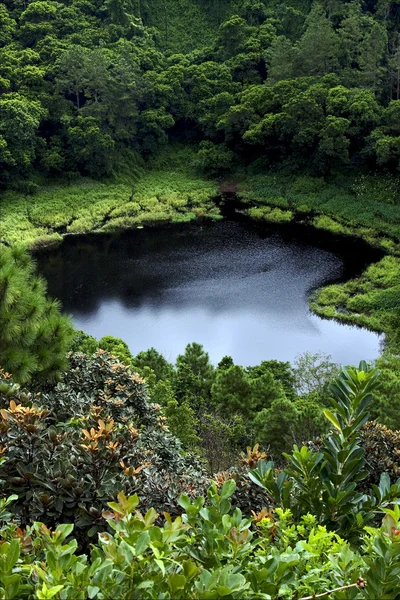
{"x":235,"y":287}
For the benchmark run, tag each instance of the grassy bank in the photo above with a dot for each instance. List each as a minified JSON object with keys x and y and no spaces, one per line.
{"x":364,"y":206}
{"x":175,"y":194}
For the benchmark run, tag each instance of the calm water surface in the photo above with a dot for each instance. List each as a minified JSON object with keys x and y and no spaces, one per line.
{"x":234,"y":287}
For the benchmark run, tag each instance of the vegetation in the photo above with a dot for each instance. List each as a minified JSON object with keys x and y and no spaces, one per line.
{"x":371,"y":301}
{"x":65,"y":465}
{"x":217,"y":412}
{"x":317,"y":534}
{"x":117,"y":114}
{"x":84,"y":205}
{"x":113,"y":116}
{"x":34,"y":336}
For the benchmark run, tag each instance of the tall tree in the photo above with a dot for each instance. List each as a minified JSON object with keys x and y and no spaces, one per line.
{"x":373,"y":52}
{"x":318,"y":48}
{"x":196,"y":359}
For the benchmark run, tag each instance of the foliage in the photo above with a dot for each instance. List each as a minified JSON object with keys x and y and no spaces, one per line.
{"x":116,"y":347}
{"x":34,"y":336}
{"x":210,"y":551}
{"x":217,"y":412}
{"x":372,"y":300}
{"x":295,"y":545}
{"x":382,"y":452}
{"x":84,"y":205}
{"x":65,"y":463}
{"x":313,"y":372}
{"x":325,"y":481}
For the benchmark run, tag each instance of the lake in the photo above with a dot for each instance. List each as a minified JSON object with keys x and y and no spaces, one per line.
{"x":238,"y":288}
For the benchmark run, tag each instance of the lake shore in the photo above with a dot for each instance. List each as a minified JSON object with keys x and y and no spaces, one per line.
{"x":178,"y":195}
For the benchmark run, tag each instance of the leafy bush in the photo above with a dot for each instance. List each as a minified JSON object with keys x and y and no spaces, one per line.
{"x":382,"y":452}
{"x":209,"y":551}
{"x":326,"y":480}
{"x":294,"y":546}
{"x":73,"y":448}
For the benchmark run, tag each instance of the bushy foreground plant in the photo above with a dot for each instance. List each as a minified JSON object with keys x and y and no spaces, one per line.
{"x":72,"y":449}
{"x":318,"y":532}
{"x":326,"y":480}
{"x":210,"y":551}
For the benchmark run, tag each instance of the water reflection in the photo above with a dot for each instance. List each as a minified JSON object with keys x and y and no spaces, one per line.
{"x":233,"y":287}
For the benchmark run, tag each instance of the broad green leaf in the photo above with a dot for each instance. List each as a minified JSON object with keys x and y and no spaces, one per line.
{"x":331,"y":417}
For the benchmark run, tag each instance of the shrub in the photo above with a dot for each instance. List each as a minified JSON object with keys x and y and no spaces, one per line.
{"x":214,"y":159}
{"x":209,"y":551}
{"x":117,"y":347}
{"x":326,"y":479}
{"x":382,"y":452}
{"x":71,"y":450}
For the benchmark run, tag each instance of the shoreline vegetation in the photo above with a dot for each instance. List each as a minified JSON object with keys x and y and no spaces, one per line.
{"x":123,"y":114}
{"x":359,"y":206}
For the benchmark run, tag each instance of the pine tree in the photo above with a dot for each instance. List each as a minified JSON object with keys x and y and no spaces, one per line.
{"x":373,"y":51}
{"x":34,"y":336}
{"x":318,"y":48}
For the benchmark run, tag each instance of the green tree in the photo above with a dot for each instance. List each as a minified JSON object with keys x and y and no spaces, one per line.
{"x":373,"y":52}
{"x":182,"y":422}
{"x":231,"y":392}
{"x":310,"y":423}
{"x":117,"y":347}
{"x":7,"y":26}
{"x":91,"y":148}
{"x":163,"y":370}
{"x":394,"y":68}
{"x":274,"y":427}
{"x":214,"y":159}
{"x":385,"y":140}
{"x":386,"y":406}
{"x":350,"y":35}
{"x":281,"y":58}
{"x":197,"y":360}
{"x":318,"y":48}
{"x":19,"y":123}
{"x":334,"y":142}
{"x":34,"y":336}
{"x":313,"y":372}
{"x":281,"y":371}
{"x":225,"y":363}
{"x":83,"y":342}
{"x":38,"y":20}
{"x":232,"y":35}
{"x":237,"y":392}
{"x":188,"y":388}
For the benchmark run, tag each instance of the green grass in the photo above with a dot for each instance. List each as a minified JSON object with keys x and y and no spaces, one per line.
{"x":365,"y":206}
{"x":269,"y":214}
{"x":173,"y":194}
{"x":372,"y":300}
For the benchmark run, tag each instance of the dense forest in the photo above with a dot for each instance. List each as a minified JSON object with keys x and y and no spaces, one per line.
{"x":127,"y":476}
{"x":87,"y":85}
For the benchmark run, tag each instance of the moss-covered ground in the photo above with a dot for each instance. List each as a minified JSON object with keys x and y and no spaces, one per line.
{"x":172,"y":194}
